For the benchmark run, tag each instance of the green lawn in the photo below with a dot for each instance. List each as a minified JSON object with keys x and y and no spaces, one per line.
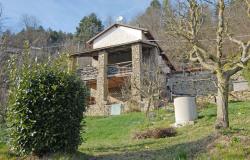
{"x":110,"y":138}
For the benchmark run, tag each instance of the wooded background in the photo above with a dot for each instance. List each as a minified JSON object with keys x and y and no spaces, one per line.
{"x":46,"y":42}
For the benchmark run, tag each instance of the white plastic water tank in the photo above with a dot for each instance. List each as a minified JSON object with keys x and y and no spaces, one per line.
{"x":185,"y":110}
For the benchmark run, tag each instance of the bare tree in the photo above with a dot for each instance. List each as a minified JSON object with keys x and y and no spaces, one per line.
{"x":29,"y":22}
{"x":187,"y":24}
{"x":32,"y":31}
{"x":151,"y":87}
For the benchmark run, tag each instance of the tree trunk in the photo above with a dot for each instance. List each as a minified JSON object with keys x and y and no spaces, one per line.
{"x":222,"y":102}
{"x":148,"y":106}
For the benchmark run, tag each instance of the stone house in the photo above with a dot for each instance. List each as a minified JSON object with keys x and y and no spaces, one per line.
{"x":115,"y":54}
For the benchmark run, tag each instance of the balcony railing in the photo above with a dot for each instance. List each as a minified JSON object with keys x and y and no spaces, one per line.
{"x":120,"y":68}
{"x":90,"y":72}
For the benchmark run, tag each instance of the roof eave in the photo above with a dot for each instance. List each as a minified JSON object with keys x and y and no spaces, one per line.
{"x":114,"y":25}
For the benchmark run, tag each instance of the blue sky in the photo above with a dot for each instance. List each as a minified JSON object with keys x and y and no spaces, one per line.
{"x":65,"y":14}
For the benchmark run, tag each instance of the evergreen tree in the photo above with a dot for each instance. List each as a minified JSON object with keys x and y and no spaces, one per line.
{"x":88,"y":27}
{"x":155,"y":4}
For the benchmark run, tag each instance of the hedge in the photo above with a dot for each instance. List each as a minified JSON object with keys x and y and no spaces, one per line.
{"x":46,"y":112}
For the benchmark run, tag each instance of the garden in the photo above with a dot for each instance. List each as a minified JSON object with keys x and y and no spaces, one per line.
{"x":113,"y":137}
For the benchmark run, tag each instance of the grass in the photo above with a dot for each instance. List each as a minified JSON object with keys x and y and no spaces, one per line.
{"x":110,"y":138}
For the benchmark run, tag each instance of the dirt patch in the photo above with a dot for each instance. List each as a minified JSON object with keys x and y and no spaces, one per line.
{"x":156,"y":133}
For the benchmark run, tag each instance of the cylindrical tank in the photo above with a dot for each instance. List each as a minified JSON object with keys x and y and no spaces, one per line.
{"x":185,"y":110}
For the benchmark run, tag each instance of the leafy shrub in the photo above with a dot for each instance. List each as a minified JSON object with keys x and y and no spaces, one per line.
{"x":156,"y":133}
{"x":46,"y":106}
{"x":45,"y":112}
{"x":3,"y":133}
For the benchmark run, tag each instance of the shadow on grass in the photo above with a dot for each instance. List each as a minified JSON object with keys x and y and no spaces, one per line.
{"x":5,"y":154}
{"x":74,"y":156}
{"x":235,"y":101}
{"x":180,"y":151}
{"x":201,"y":116}
{"x":209,"y":116}
{"x":122,"y":148}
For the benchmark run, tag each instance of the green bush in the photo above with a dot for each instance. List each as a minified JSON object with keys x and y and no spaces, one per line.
{"x":3,"y":134}
{"x":46,"y":110}
{"x":46,"y":113}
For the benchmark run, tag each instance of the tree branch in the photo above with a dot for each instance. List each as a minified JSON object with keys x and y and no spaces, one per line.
{"x":248,"y":7}
{"x":244,"y":46}
{"x":233,"y":70}
{"x":220,"y":29}
{"x":202,"y":60}
{"x":245,"y":56}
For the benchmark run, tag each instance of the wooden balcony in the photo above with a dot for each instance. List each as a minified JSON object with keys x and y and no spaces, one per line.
{"x":120,"y":68}
{"x":117,"y":69}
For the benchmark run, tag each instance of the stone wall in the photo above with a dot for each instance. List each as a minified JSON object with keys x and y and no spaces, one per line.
{"x":240,"y":95}
{"x":96,"y":110}
{"x":233,"y":96}
{"x":203,"y":83}
{"x":240,"y":85}
{"x":200,"y":83}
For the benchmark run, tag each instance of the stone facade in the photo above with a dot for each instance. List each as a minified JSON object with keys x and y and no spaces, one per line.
{"x":136,"y":70}
{"x":102,"y":82}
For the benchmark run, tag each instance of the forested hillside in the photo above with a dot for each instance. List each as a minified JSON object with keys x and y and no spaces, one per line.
{"x":46,"y":42}
{"x":44,"y":102}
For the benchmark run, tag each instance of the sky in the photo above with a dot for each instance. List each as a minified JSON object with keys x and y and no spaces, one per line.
{"x":66,"y":14}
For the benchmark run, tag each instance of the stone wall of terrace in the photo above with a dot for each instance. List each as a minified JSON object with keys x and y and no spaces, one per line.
{"x":200,"y":83}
